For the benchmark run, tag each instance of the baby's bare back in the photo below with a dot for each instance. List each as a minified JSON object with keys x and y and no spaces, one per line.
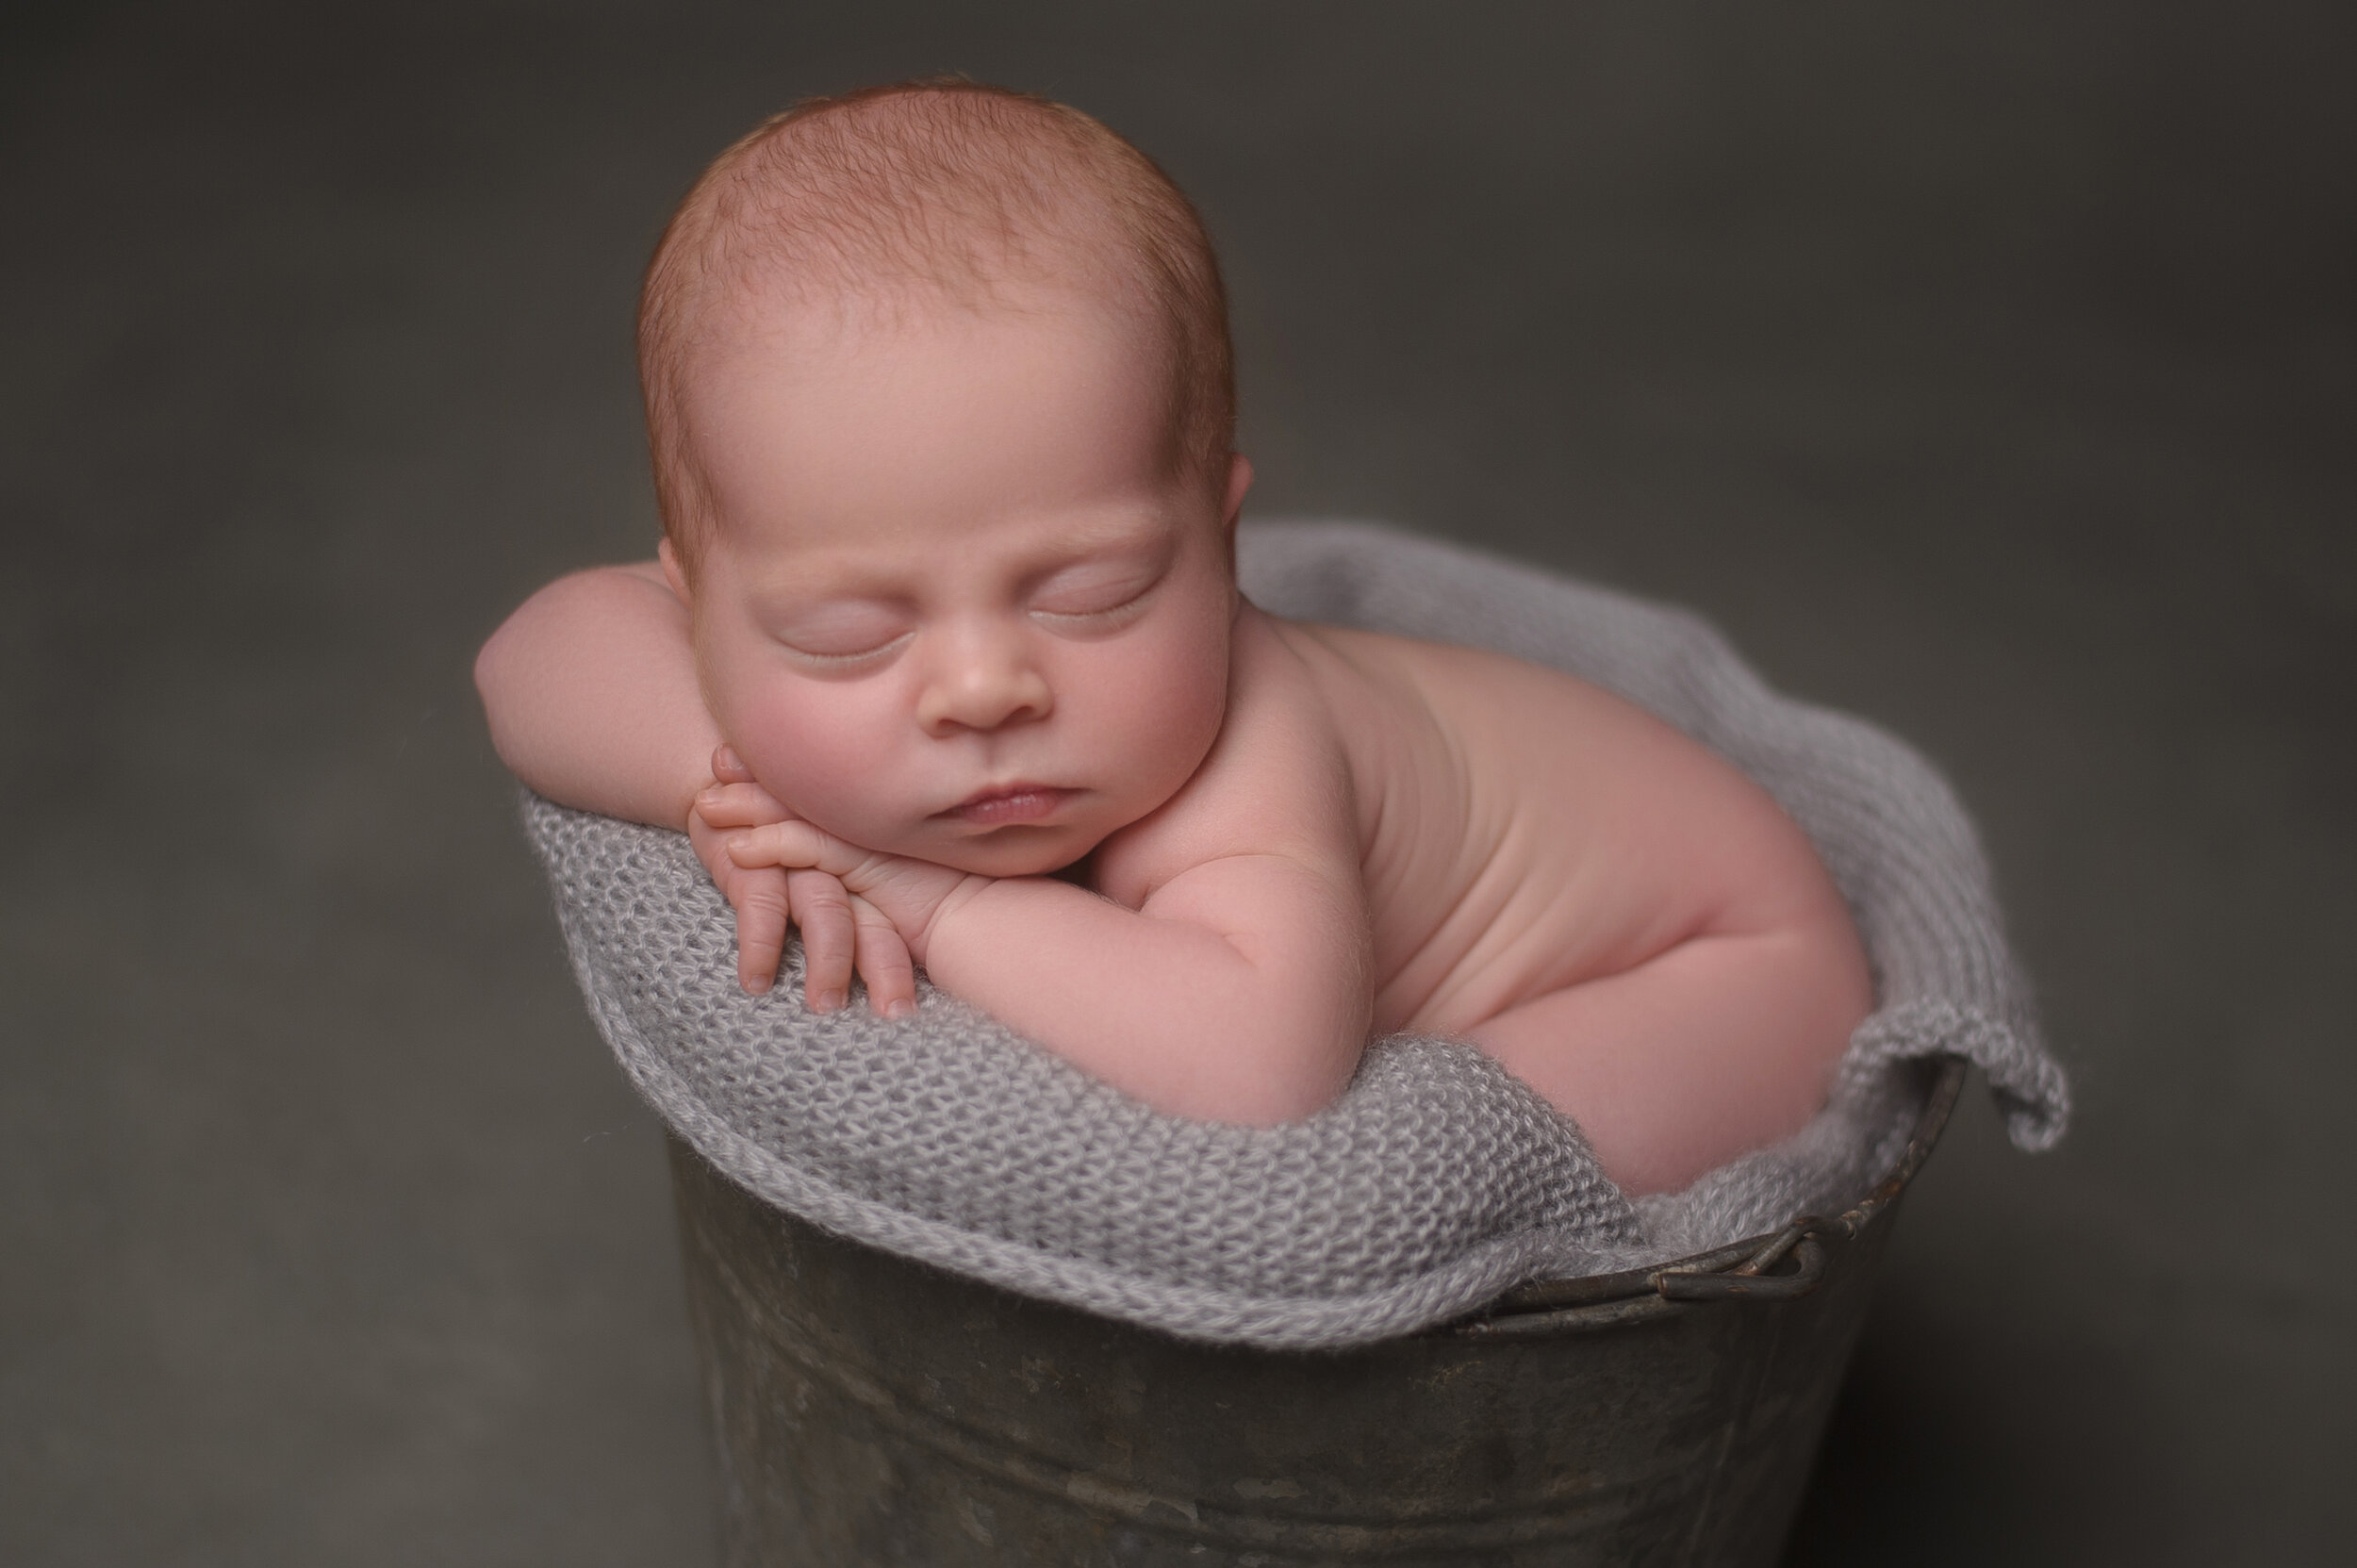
{"x":1625,"y":920}
{"x":1522,"y":831}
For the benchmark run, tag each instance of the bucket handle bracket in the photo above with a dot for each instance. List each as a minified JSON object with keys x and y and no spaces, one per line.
{"x":1750,"y":1281}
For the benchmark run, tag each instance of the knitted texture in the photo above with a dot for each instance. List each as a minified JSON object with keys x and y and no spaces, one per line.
{"x":1436,"y":1180}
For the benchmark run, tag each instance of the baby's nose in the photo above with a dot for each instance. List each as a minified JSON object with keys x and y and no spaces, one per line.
{"x":980,"y":680}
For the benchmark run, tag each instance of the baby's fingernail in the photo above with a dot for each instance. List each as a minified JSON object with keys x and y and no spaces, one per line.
{"x":829,"y":1001}
{"x":758,"y":985}
{"x":725,"y":760}
{"x":899,"y":1007}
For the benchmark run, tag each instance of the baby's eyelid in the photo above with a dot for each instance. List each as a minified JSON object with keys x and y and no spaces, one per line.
{"x":845,"y":661}
{"x":1132,"y":592}
{"x":1106,"y":613}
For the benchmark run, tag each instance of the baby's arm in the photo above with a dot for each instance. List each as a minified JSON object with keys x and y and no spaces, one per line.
{"x":590,"y":689}
{"x":1224,"y":973}
{"x":591,"y":695}
{"x":1237,"y":991}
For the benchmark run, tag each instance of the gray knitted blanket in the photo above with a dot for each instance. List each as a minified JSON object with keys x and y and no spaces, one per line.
{"x":1437,"y":1180}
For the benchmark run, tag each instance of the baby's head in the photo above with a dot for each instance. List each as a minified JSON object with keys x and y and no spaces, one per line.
{"x":939,"y":392}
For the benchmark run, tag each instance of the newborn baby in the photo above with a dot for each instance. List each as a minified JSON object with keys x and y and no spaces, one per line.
{"x":943,"y":660}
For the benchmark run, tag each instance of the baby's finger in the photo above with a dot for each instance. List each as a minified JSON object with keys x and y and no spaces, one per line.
{"x":759,"y":898}
{"x":711,"y":849}
{"x":884,"y":962}
{"x":739,"y":805}
{"x":795,"y":846}
{"x":728,"y":767}
{"x":823,"y":910}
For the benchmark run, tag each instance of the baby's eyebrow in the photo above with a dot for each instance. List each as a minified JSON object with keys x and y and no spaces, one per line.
{"x":892,"y":577}
{"x":1143,"y":529}
{"x":800,"y":589}
{"x":829,"y":573}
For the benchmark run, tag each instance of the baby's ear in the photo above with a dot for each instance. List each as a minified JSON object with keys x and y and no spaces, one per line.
{"x":1239,"y":481}
{"x":672,"y":572}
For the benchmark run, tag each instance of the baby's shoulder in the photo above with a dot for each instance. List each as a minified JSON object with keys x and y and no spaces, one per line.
{"x":1459,"y":742}
{"x":1469,"y":700}
{"x":1278,"y":779}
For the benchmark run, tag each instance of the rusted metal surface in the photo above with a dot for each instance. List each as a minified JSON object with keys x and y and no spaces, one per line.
{"x":872,"y":1411}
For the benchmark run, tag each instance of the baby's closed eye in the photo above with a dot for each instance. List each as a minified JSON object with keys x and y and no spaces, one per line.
{"x":844,"y":632}
{"x":1095,"y":593}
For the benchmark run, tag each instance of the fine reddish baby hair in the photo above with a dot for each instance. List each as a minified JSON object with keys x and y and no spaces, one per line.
{"x":936,"y":191}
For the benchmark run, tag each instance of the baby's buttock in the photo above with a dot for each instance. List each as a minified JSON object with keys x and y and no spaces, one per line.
{"x":1522,"y":831}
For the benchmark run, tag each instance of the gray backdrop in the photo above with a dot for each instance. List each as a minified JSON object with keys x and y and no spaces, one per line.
{"x":1985,"y":369}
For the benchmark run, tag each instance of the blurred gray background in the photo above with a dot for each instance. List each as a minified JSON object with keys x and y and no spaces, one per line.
{"x":1986,"y":369}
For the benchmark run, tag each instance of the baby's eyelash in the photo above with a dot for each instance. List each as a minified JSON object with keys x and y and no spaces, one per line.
{"x":849,"y":661}
{"x":1132,"y":600}
{"x":1128,"y":608}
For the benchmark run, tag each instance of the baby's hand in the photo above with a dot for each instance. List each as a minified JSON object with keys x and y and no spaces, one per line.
{"x":839,"y":931}
{"x":910,"y":893}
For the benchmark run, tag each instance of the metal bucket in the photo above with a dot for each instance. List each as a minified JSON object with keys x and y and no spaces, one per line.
{"x":870,"y":1411}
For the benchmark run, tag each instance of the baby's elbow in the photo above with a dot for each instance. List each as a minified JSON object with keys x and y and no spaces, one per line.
{"x":506,"y":659}
{"x":1271,"y":1102}
{"x":515,"y":663}
{"x":492,"y":661}
{"x":1289,"y":1074}
{"x":508,"y":679}
{"x":494,"y":685}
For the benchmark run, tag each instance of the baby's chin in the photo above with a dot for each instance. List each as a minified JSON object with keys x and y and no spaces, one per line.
{"x":1018,"y":850}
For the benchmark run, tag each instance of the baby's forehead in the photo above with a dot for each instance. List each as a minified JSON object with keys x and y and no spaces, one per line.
{"x":1046,"y":412}
{"x":821,"y":358}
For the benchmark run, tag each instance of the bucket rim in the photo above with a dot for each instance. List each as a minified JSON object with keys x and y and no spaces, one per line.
{"x":1775,"y":1265}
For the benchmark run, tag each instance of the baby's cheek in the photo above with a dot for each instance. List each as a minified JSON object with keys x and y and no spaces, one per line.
{"x":1190,"y":682}
{"x":832,"y":783}
{"x":1170,"y":707}
{"x":810,"y":761}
